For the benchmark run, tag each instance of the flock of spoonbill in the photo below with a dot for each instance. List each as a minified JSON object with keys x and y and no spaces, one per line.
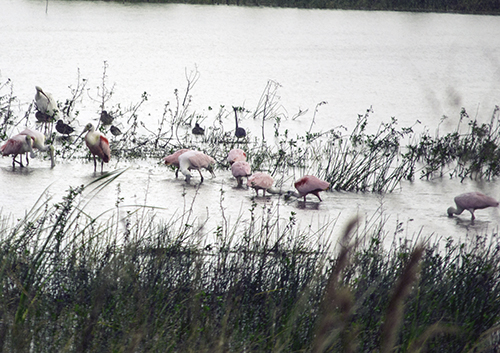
{"x":186,"y":160}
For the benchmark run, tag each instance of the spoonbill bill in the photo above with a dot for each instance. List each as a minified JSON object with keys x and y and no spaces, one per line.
{"x":260,"y":181}
{"x":309,"y":184}
{"x":239,"y":132}
{"x":173,"y":159}
{"x":236,"y":155}
{"x":39,"y":143}
{"x":98,"y":145}
{"x":18,"y":145}
{"x":195,"y":160}
{"x":471,"y":201}
{"x":240,"y":170}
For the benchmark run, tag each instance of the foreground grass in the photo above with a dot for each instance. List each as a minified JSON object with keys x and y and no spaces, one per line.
{"x":70,"y":283}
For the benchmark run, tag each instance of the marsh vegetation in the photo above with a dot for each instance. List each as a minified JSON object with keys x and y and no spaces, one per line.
{"x":131,"y":282}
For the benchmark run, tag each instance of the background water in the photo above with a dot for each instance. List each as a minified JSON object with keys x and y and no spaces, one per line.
{"x":406,"y":65}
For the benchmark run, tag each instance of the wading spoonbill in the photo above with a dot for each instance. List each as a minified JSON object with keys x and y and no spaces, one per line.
{"x":471,"y":201}
{"x":260,"y":181}
{"x":195,"y":160}
{"x":18,"y":145}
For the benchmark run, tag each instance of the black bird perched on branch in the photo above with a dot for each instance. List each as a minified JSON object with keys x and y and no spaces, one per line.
{"x":106,"y":118}
{"x":198,"y":130}
{"x":239,"y":132}
{"x":115,"y":131}
{"x":63,"y":128}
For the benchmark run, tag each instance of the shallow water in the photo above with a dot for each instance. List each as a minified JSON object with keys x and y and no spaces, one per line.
{"x":407,"y":65}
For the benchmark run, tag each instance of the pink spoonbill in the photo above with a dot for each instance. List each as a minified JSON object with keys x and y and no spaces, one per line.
{"x":240,"y":170}
{"x":18,"y":145}
{"x":309,"y":184}
{"x":471,"y":201}
{"x":260,"y":181}
{"x":195,"y":160}
{"x":236,"y":155}
{"x":173,"y":159}
{"x":39,"y":143}
{"x":98,"y":145}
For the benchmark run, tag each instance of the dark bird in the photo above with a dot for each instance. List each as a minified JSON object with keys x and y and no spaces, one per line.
{"x":198,"y":130}
{"x":106,"y":118}
{"x":239,"y":132}
{"x":471,"y":201}
{"x":63,"y":128}
{"x":115,"y":131}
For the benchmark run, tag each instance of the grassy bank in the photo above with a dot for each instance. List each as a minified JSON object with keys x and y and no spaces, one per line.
{"x":70,"y":283}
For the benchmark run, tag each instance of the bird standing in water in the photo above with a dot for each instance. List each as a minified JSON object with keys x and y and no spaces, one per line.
{"x":39,"y":143}
{"x":195,"y":160}
{"x":239,"y":132}
{"x":173,"y":159}
{"x":240,"y":170}
{"x":98,"y":145}
{"x":309,"y":184}
{"x":260,"y":181}
{"x":18,"y":145}
{"x":471,"y":201}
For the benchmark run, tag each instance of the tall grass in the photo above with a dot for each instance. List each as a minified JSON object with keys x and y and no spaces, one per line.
{"x":72,"y":283}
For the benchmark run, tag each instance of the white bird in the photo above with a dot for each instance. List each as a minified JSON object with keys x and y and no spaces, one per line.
{"x":195,"y":160}
{"x":46,"y":106}
{"x":39,"y":143}
{"x":471,"y":201}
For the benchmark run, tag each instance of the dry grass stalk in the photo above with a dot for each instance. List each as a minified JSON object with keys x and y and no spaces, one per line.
{"x":337,"y":302}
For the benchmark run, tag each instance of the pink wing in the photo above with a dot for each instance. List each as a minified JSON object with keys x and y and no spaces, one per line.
{"x":260,"y":181}
{"x":106,"y":152}
{"x":15,"y":145}
{"x":475,"y":200}
{"x":200,"y":160}
{"x":173,"y":158}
